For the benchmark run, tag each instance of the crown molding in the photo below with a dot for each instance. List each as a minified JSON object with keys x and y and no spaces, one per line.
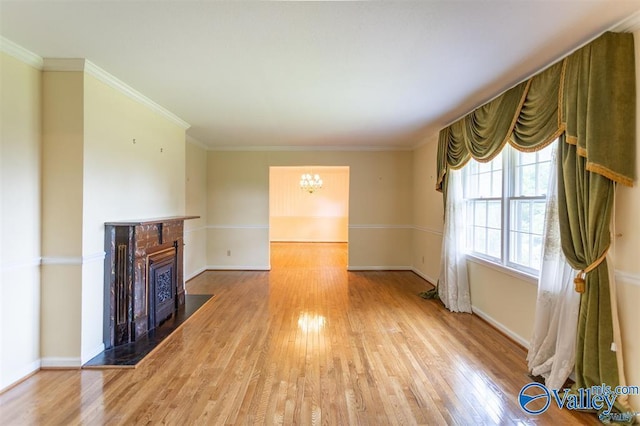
{"x":127,"y":90}
{"x":628,"y":25}
{"x":20,"y":53}
{"x":311,"y":148}
{"x":197,"y":143}
{"x":432,"y":138}
{"x":84,"y":65}
{"x":64,"y":64}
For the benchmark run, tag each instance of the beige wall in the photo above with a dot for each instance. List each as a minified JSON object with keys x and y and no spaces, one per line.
{"x":297,"y":215}
{"x":62,"y":183}
{"x":68,"y":165}
{"x":20,"y":191}
{"x":195,"y":231}
{"x":380,"y":190}
{"x":427,"y":213}
{"x":93,"y":172}
{"x":122,"y":180}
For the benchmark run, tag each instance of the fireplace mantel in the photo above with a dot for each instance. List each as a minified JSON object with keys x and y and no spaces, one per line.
{"x":134,"y":248}
{"x":151,"y":221}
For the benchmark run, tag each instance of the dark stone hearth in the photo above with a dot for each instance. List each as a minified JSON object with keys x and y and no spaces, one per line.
{"x":130,"y":354}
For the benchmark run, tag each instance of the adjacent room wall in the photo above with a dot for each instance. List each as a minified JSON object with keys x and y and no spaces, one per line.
{"x":20,"y":191}
{"x":195,"y":231}
{"x":379,"y":207}
{"x":300,"y":216}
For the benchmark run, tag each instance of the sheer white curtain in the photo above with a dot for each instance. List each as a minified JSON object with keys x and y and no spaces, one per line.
{"x":453,"y":283}
{"x":553,"y":344}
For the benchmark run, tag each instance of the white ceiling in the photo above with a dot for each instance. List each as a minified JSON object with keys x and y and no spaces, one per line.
{"x":357,"y":74}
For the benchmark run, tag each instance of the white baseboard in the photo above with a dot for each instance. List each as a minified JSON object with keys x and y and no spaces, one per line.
{"x":16,"y":376}
{"x":55,"y":362}
{"x":379,"y":268}
{"x":424,"y":276}
{"x":195,"y":273}
{"x":238,"y":268}
{"x":516,"y":337}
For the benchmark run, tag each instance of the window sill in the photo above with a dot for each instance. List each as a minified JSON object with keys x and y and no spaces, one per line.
{"x":531,"y":279}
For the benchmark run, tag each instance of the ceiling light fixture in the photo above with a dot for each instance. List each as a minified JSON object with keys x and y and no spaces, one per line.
{"x":310,"y":183}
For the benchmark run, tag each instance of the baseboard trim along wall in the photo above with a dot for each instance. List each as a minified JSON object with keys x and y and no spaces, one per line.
{"x":517,"y":338}
{"x":21,"y":375}
{"x":379,"y":268}
{"x":424,"y":276}
{"x":70,"y":363}
{"x":238,"y":268}
{"x":195,"y":273}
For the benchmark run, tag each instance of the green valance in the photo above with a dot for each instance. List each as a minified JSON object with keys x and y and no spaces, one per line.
{"x":590,"y":95}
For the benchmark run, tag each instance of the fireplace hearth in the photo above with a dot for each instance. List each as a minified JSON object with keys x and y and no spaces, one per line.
{"x":144,"y":283}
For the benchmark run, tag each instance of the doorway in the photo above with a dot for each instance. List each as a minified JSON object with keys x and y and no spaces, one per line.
{"x":299,"y":216}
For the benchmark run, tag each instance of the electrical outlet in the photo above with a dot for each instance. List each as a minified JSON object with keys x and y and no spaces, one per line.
{"x":228,"y":252}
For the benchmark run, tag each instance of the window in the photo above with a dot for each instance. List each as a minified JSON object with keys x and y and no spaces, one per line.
{"x":505,"y":207}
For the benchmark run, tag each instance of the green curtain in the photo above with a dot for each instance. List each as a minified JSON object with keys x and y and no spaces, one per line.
{"x":599,"y":105}
{"x":599,"y":151}
{"x":587,"y":99}
{"x":585,"y":203}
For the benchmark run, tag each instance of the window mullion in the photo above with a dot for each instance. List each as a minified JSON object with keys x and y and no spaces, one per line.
{"x":507,"y":183}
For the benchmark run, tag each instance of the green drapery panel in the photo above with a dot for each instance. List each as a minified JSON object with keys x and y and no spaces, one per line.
{"x":599,"y":105}
{"x":585,"y":204}
{"x":589,"y":94}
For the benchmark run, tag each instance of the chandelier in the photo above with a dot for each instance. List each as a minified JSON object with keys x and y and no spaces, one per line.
{"x":310,"y":183}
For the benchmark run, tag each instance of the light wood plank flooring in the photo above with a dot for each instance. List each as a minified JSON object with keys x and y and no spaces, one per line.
{"x":307,"y":343}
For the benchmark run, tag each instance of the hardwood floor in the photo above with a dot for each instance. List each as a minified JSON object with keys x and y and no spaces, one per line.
{"x":307,"y":343}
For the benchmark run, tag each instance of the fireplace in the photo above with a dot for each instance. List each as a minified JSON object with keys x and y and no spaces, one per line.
{"x":161,"y":276}
{"x":144,"y":282}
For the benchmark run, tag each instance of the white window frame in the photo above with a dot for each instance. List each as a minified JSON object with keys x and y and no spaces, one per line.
{"x":508,"y":187}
